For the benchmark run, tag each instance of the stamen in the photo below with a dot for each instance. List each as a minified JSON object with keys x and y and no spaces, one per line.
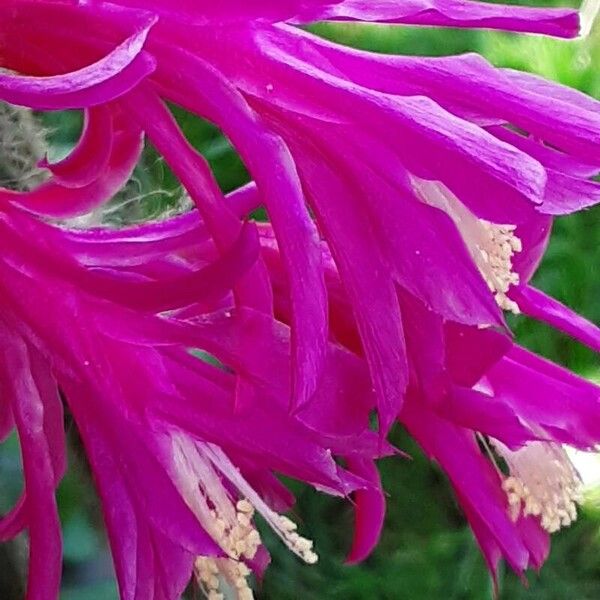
{"x":201,"y":471}
{"x":491,"y":246}
{"x":300,"y":546}
{"x":281,"y":525}
{"x":221,"y":578}
{"x":497,"y":250}
{"x":542,"y":483}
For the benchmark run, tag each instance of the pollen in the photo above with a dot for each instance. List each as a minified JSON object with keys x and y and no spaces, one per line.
{"x":492,"y":246}
{"x":300,"y":546}
{"x":240,"y":540}
{"x":228,"y":517}
{"x":221,"y":578}
{"x":543,"y":483}
{"x":497,"y":247}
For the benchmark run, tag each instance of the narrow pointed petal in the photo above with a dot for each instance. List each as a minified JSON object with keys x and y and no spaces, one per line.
{"x":274,"y":172}
{"x":53,"y":411}
{"x":565,"y":409}
{"x":459,"y":13}
{"x":91,"y":155}
{"x":369,"y":511}
{"x":473,"y":477}
{"x":369,"y":287}
{"x":45,"y":543}
{"x":115,"y":74}
{"x":538,"y":305}
{"x":194,"y":173}
{"x":15,"y":520}
{"x":54,"y":199}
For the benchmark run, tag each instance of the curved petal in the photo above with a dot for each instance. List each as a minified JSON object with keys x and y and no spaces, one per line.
{"x":429,"y":141}
{"x":269,"y":435}
{"x":194,"y":173}
{"x":368,"y":282}
{"x":202,"y":286}
{"x":47,"y":388}
{"x":459,"y":13}
{"x":54,"y":199}
{"x":469,"y":86}
{"x":45,"y":544}
{"x":14,"y":521}
{"x":550,"y":157}
{"x":538,"y":305}
{"x":103,"y":247}
{"x":474,"y":480}
{"x":207,"y":12}
{"x":563,"y":407}
{"x":274,"y":172}
{"x":114,"y":74}
{"x":369,"y":510}
{"x":91,"y":155}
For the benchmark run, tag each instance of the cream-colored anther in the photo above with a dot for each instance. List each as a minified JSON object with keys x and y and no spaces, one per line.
{"x":497,"y":247}
{"x":491,"y":246}
{"x":201,"y":471}
{"x":223,"y":577}
{"x":542,"y":483}
{"x":206,"y":575}
{"x":295,"y":542}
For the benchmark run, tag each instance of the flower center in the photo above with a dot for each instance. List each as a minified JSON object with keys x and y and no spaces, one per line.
{"x":491,"y":246}
{"x":221,"y":578}
{"x":542,"y":483}
{"x":202,"y":474}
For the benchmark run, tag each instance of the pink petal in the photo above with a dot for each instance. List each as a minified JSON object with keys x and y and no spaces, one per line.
{"x":459,"y":13}
{"x":369,"y":511}
{"x":110,"y":77}
{"x":565,"y":409}
{"x":195,"y":174}
{"x":55,"y":199}
{"x":14,"y":521}
{"x":45,"y":555}
{"x":91,"y":155}
{"x":270,"y":163}
{"x":538,"y":305}
{"x":475,"y":481}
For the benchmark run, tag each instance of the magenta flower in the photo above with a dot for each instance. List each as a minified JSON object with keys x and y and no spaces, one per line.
{"x":409,"y":202}
{"x":179,"y":463}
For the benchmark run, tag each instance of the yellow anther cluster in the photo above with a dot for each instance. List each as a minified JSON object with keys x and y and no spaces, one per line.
{"x":218,"y":574}
{"x":544,"y":484}
{"x":295,"y":542}
{"x":207,"y":575}
{"x":497,"y":248}
{"x":201,"y":472}
{"x":491,"y":246}
{"x":241,"y":541}
{"x":239,"y":538}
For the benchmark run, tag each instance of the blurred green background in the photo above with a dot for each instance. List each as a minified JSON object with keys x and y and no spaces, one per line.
{"x":426,"y":551}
